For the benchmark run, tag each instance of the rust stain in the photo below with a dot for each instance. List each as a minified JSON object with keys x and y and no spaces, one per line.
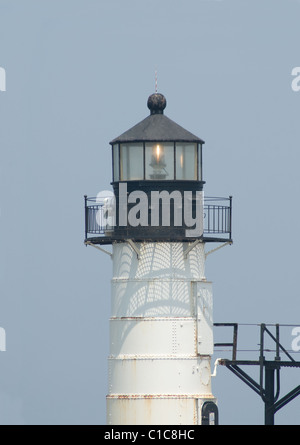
{"x":160,"y":396}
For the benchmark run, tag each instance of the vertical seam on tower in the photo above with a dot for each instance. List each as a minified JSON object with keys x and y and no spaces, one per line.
{"x":174,"y":337}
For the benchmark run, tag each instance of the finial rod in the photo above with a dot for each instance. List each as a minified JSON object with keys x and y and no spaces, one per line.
{"x":155,"y":81}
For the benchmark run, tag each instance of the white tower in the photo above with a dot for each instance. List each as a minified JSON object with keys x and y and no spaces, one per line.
{"x":161,"y":325}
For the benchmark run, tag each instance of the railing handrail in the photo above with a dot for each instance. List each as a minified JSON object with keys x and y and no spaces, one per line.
{"x":206,"y":199}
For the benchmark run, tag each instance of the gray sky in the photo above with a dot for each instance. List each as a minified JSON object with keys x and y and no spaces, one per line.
{"x":79,"y":73}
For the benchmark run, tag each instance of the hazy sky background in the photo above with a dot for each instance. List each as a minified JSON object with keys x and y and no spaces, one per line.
{"x":79,"y":73}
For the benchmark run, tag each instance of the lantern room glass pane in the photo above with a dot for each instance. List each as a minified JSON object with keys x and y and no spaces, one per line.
{"x":116,"y":170}
{"x":186,"y":161}
{"x":159,"y":162}
{"x":131,"y":162}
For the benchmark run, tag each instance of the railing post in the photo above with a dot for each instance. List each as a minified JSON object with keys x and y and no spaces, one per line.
{"x":277,"y":343}
{"x":208,"y":218}
{"x":261,"y":361}
{"x":234,"y":349}
{"x":230,"y":216}
{"x":86,"y":216}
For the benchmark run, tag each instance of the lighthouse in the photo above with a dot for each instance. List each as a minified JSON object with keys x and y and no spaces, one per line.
{"x":159,"y":223}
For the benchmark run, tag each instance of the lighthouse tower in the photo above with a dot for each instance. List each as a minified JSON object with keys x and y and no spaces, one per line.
{"x":161,"y":324}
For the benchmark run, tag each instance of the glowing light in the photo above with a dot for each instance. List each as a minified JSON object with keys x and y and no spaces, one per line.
{"x":158,"y":153}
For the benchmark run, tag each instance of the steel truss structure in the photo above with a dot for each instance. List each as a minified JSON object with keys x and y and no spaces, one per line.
{"x":269,"y":370}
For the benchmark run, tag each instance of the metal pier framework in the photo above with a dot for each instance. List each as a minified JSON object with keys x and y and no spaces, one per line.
{"x":268,"y":384}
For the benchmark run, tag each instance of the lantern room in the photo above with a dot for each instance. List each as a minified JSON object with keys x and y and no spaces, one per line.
{"x":157,"y":149}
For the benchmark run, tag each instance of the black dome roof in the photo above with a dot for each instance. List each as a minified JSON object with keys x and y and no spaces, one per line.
{"x":157,"y":126}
